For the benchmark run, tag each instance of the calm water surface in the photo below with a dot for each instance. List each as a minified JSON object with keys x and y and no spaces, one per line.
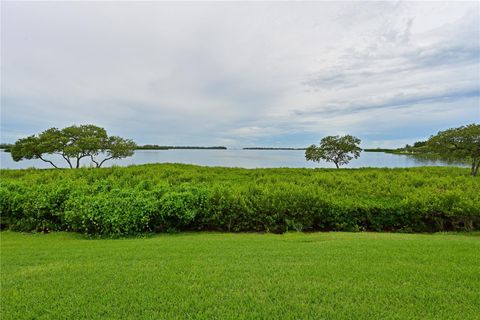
{"x":235,"y":158}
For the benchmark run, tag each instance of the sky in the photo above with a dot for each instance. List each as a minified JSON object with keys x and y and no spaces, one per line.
{"x":241,"y":74}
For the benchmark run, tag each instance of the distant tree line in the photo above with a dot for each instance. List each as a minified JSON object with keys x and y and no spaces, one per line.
{"x":6,"y":146}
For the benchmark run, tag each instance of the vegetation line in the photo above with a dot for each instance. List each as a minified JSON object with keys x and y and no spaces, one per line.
{"x":121,"y":201}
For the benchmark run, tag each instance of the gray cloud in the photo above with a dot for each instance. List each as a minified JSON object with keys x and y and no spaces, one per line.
{"x":240,"y":73}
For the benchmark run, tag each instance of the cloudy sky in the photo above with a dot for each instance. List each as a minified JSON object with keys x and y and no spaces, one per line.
{"x":241,"y":74}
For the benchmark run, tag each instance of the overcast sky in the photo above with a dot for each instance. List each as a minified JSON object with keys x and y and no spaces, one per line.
{"x":241,"y":74}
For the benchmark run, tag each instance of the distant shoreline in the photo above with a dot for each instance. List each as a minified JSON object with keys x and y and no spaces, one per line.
{"x":156,"y":147}
{"x":379,"y":150}
{"x":260,"y":148}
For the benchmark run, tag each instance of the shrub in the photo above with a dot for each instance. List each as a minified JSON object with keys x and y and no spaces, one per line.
{"x":162,"y":198}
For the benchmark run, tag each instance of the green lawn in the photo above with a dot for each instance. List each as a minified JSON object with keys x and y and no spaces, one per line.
{"x":241,"y":276}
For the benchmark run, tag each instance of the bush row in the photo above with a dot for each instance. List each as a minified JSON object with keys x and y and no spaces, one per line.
{"x":164,"y":198}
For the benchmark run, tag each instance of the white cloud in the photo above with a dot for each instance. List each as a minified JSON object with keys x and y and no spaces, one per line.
{"x":241,"y":73}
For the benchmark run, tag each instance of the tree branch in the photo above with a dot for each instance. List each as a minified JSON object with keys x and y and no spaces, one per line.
{"x":53,"y":164}
{"x":104,"y":161}
{"x":67,"y":159}
{"x":82,"y":155}
{"x":93,"y":160}
{"x":475,"y":170}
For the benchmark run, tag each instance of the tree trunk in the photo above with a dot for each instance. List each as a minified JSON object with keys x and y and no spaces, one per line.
{"x":53,"y":164}
{"x":100,"y":164}
{"x":67,"y":159}
{"x":474,"y":173}
{"x":336,"y":164}
{"x":93,"y":160}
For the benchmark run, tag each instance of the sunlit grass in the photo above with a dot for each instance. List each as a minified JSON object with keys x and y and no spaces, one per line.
{"x":241,"y":276}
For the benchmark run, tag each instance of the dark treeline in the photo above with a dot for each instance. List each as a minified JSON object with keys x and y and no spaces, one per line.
{"x":6,"y":146}
{"x":157,"y":147}
{"x":419,"y":147}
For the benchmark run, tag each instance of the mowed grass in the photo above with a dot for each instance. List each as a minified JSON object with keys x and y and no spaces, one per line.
{"x":241,"y":276}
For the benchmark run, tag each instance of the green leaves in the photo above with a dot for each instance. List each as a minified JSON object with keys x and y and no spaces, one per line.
{"x":26,"y":148}
{"x":336,"y":149}
{"x":462,"y":142}
{"x":133,"y":200}
{"x":73,"y":144}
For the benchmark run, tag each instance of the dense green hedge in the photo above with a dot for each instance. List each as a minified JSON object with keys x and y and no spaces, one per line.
{"x":167,"y":197}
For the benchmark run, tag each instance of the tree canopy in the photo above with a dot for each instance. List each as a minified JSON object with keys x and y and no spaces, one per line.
{"x":462,"y":143}
{"x":336,"y":149}
{"x":73,"y":144}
